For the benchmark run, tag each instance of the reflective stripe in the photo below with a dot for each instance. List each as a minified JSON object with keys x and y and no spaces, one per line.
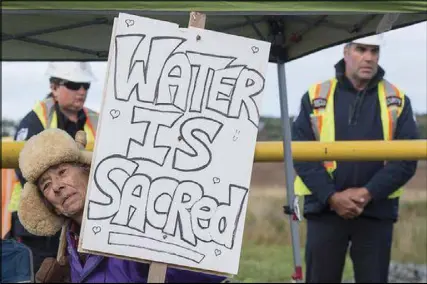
{"x":8,"y":179}
{"x":323,"y":120}
{"x":319,"y":92}
{"x":90,"y":125}
{"x":52,"y":120}
{"x":16,"y":196}
{"x":327,"y":130}
{"x":315,"y":120}
{"x":53,"y":123}
{"x":391,"y":112}
{"x":390,"y":115}
{"x":40,"y":110}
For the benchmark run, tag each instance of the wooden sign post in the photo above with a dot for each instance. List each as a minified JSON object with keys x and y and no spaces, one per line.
{"x":157,"y":272}
{"x":174,"y":150}
{"x":197,"y":20}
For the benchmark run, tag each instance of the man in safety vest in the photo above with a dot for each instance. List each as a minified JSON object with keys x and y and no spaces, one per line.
{"x":63,"y":108}
{"x":352,"y":204}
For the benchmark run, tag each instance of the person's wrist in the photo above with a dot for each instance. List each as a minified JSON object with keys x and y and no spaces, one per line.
{"x":331,"y":198}
{"x":366,"y":194}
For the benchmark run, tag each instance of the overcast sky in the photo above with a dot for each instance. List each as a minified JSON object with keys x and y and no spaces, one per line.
{"x":403,"y":57}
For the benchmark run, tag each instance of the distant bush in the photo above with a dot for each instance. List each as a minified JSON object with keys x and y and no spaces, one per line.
{"x":422,"y":125}
{"x":8,"y":127}
{"x":271,"y":128}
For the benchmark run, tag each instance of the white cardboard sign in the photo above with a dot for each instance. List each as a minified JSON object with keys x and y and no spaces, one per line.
{"x":175,"y":145}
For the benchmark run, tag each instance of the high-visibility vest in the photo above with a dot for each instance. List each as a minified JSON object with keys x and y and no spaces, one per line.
{"x":323,"y":120}
{"x":8,"y":178}
{"x":45,"y":111}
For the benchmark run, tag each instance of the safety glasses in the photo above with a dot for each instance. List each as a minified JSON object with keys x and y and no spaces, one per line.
{"x":75,"y":85}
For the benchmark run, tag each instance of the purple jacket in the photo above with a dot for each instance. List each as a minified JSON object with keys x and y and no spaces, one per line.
{"x":101,"y":269}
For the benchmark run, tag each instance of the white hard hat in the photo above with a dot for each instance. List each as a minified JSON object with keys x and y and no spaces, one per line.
{"x":369,"y":40}
{"x":71,"y":71}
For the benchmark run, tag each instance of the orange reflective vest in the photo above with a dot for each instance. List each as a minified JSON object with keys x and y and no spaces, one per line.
{"x":11,"y":187}
{"x":46,"y":113}
{"x":8,"y":178}
{"x":323,"y":121}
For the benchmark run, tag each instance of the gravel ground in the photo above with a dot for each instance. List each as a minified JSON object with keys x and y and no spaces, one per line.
{"x":406,"y":273}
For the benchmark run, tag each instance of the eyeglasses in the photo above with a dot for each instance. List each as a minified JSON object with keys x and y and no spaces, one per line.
{"x":75,"y":85}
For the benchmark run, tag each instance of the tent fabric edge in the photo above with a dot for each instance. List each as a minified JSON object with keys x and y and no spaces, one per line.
{"x":222,"y":6}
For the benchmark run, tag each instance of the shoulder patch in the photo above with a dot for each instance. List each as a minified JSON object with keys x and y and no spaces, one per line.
{"x":394,"y":101}
{"x":319,"y":103}
{"x":22,"y":134}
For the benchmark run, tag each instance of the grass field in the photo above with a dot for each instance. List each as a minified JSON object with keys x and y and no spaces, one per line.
{"x":269,"y":263}
{"x":267,"y":253}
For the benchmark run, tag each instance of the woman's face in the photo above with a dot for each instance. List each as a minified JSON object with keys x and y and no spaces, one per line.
{"x":64,"y":187}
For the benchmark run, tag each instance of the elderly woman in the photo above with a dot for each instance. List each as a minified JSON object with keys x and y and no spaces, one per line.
{"x":57,"y":171}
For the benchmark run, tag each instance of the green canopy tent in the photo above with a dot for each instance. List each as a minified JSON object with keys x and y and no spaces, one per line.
{"x":49,"y":31}
{"x":81,"y":30}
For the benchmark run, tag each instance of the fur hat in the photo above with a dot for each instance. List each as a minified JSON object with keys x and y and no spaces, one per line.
{"x":48,"y":148}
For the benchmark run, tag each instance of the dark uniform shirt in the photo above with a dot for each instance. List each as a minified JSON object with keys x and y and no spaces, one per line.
{"x":357,"y":117}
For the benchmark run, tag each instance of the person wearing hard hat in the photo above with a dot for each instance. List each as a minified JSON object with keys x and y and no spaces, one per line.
{"x":57,"y":168}
{"x":63,"y":108}
{"x":352,"y":205}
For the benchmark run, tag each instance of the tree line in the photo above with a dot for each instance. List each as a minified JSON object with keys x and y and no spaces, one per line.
{"x":271,"y":128}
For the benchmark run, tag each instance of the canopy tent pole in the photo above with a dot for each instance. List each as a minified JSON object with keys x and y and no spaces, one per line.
{"x":291,"y":209}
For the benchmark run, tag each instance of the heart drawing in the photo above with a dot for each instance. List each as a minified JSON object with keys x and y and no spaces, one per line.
{"x":217,"y":252}
{"x":255,"y":49}
{"x":96,"y":229}
{"x":216,"y":180}
{"x":114,"y":113}
{"x":129,"y":22}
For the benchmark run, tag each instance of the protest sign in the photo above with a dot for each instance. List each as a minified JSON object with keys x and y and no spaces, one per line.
{"x":175,"y":145}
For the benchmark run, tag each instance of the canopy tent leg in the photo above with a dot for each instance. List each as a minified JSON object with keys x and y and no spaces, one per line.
{"x":291,"y":209}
